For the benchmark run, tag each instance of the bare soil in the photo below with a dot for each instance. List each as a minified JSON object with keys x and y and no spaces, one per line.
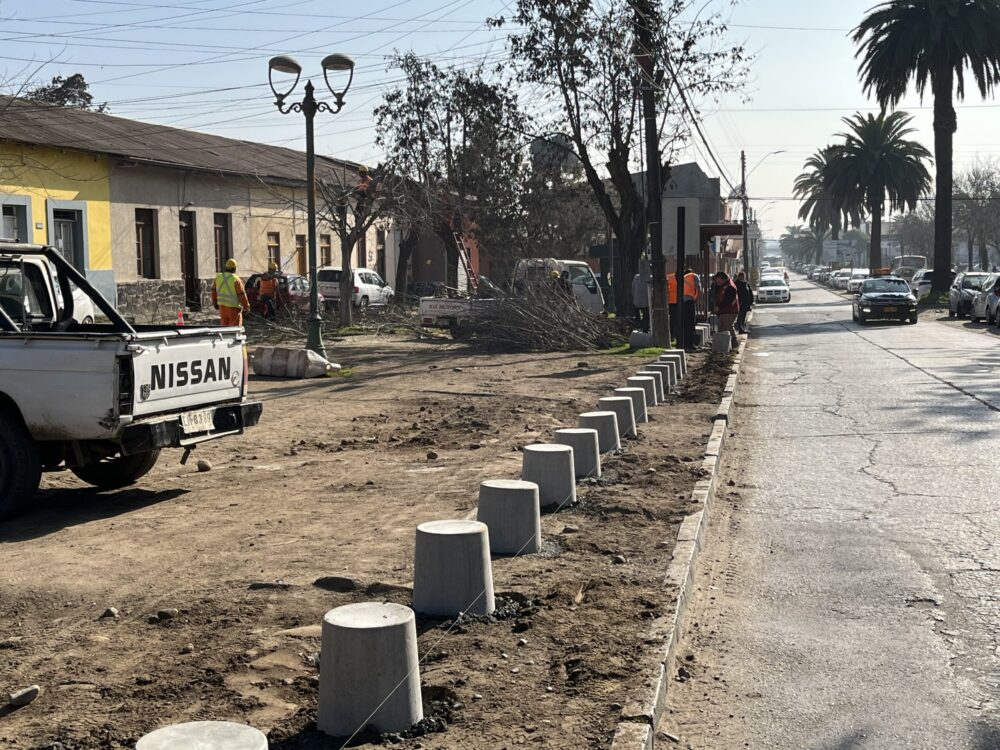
{"x":332,"y":484}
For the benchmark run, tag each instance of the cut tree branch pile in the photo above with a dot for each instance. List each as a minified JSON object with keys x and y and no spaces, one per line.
{"x":541,"y":319}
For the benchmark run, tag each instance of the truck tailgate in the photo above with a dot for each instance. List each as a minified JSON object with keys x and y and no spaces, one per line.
{"x":176,"y":370}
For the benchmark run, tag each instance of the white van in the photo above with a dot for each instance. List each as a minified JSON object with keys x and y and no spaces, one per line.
{"x":586,"y":291}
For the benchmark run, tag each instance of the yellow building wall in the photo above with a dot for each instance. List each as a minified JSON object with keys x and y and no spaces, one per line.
{"x":46,"y":173}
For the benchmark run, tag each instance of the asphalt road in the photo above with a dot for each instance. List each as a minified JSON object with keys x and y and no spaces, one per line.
{"x":849,"y":595}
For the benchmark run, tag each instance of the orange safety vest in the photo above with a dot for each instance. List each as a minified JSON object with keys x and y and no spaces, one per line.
{"x":690,"y":287}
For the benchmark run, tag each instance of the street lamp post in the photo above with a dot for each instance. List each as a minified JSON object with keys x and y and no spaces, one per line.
{"x":309,"y":106}
{"x":745,"y":199}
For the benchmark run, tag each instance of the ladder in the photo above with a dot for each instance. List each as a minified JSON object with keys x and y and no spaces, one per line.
{"x":466,"y":260}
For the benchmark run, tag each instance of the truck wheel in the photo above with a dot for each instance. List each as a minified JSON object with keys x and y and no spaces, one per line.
{"x":120,"y":471}
{"x":20,"y":467}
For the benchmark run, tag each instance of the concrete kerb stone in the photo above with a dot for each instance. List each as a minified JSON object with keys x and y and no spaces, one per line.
{"x":644,"y":706}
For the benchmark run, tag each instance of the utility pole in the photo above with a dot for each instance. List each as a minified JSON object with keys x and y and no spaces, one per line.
{"x":643,"y":52}
{"x":746,"y":202}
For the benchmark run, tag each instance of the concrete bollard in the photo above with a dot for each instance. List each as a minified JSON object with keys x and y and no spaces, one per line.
{"x":452,"y":572}
{"x":606,"y":424}
{"x":678,"y":354}
{"x":369,"y":673}
{"x":722,"y":342}
{"x":509,"y":508}
{"x":661,"y":385}
{"x":551,"y":467}
{"x":622,"y":407}
{"x":586,"y":450}
{"x":638,"y":398}
{"x":667,"y":370}
{"x":704,"y":334}
{"x":673,"y":359}
{"x":647,"y":383}
{"x":208,"y":735}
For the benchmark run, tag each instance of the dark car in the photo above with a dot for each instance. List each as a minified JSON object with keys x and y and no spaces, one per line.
{"x":963,"y":292}
{"x":884,"y":298}
{"x":293,"y":293}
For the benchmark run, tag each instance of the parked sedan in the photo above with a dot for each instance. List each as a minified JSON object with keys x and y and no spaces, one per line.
{"x":963,"y":292}
{"x":984,"y":306}
{"x":884,"y":298}
{"x":773,"y":289}
{"x":854,"y":283}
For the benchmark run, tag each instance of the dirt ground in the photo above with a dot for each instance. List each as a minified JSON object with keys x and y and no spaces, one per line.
{"x":332,"y":484}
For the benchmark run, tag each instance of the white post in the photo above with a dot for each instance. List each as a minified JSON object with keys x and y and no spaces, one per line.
{"x":622,"y":407}
{"x":586,"y":450}
{"x":204,"y":735}
{"x":452,"y":572}
{"x":606,"y":424}
{"x":551,"y":467}
{"x":510,"y":509}
{"x":638,"y":397}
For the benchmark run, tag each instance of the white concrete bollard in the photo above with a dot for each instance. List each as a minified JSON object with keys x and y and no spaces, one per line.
{"x":207,"y":735}
{"x":661,"y":385}
{"x":586,"y":450}
{"x":638,"y":397}
{"x":703,"y":332}
{"x":509,"y":508}
{"x":606,"y":424}
{"x":368,"y":670}
{"x":722,"y":342}
{"x":678,"y":354}
{"x":622,"y":407}
{"x":452,"y":572}
{"x":649,"y":384}
{"x":672,"y":359}
{"x":551,"y":467}
{"x":668,"y":370}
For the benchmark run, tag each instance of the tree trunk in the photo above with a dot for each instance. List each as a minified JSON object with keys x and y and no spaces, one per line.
{"x":944,"y":132}
{"x":346,"y":278}
{"x":406,"y":248}
{"x":875,"y":248}
{"x":984,"y":256}
{"x":972,"y":242}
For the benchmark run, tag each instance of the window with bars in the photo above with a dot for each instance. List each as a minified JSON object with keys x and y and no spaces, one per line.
{"x":145,"y":243}
{"x":325,"y":250}
{"x":223,"y":240}
{"x":274,"y":248}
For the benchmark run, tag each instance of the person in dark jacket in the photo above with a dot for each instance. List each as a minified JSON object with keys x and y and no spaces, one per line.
{"x":745,"y":294}
{"x":726,"y":303}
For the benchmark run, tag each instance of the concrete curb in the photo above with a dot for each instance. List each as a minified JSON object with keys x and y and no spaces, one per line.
{"x":647,"y":698}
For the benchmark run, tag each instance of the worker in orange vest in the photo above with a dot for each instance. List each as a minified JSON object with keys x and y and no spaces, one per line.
{"x":692,"y":293}
{"x":229,"y":296}
{"x":267,"y":288}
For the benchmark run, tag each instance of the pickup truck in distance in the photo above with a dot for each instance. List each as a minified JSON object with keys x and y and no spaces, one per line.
{"x":102,"y":399}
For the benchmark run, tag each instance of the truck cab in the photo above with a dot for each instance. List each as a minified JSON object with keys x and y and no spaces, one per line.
{"x":102,"y":399}
{"x":537,"y":271}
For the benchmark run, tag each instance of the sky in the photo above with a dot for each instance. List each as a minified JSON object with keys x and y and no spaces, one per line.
{"x":202,"y":64}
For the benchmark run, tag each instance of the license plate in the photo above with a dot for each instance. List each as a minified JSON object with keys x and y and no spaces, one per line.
{"x":198,"y":421}
{"x":890,"y":309}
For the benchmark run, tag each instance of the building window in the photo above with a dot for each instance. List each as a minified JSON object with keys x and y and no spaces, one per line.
{"x":325,"y":250}
{"x":223,"y":240}
{"x":274,"y":249}
{"x":300,"y":253}
{"x":145,"y":242}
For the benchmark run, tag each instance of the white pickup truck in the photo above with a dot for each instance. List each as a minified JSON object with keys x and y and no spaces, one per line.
{"x":102,"y":399}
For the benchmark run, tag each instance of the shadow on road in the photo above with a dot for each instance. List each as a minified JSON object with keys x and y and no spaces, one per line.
{"x":57,"y":509}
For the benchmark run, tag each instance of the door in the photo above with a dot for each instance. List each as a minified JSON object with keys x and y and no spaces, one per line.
{"x":189,"y":261}
{"x":10,"y":224}
{"x":66,"y":234}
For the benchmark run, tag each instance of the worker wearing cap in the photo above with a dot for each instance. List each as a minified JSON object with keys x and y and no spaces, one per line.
{"x":229,"y":296}
{"x":267,"y":288}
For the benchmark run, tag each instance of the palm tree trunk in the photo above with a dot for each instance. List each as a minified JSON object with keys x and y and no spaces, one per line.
{"x":875,"y":248}
{"x":945,"y":125}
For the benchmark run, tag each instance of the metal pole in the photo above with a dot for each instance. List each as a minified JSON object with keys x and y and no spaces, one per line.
{"x":658,"y":310}
{"x":314,"y":325}
{"x":746,"y":200}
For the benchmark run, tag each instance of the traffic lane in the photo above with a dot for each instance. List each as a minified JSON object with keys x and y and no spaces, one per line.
{"x":836,"y":615}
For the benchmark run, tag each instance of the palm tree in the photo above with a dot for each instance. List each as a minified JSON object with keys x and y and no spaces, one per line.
{"x":791,"y":243}
{"x":876,"y":161}
{"x":820,"y":208}
{"x":932,"y":41}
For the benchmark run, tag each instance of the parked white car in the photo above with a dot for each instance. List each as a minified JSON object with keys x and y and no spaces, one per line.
{"x":854,"y":282}
{"x":773,"y":289}
{"x":839,"y":278}
{"x":370,"y":290}
{"x":984,"y":305}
